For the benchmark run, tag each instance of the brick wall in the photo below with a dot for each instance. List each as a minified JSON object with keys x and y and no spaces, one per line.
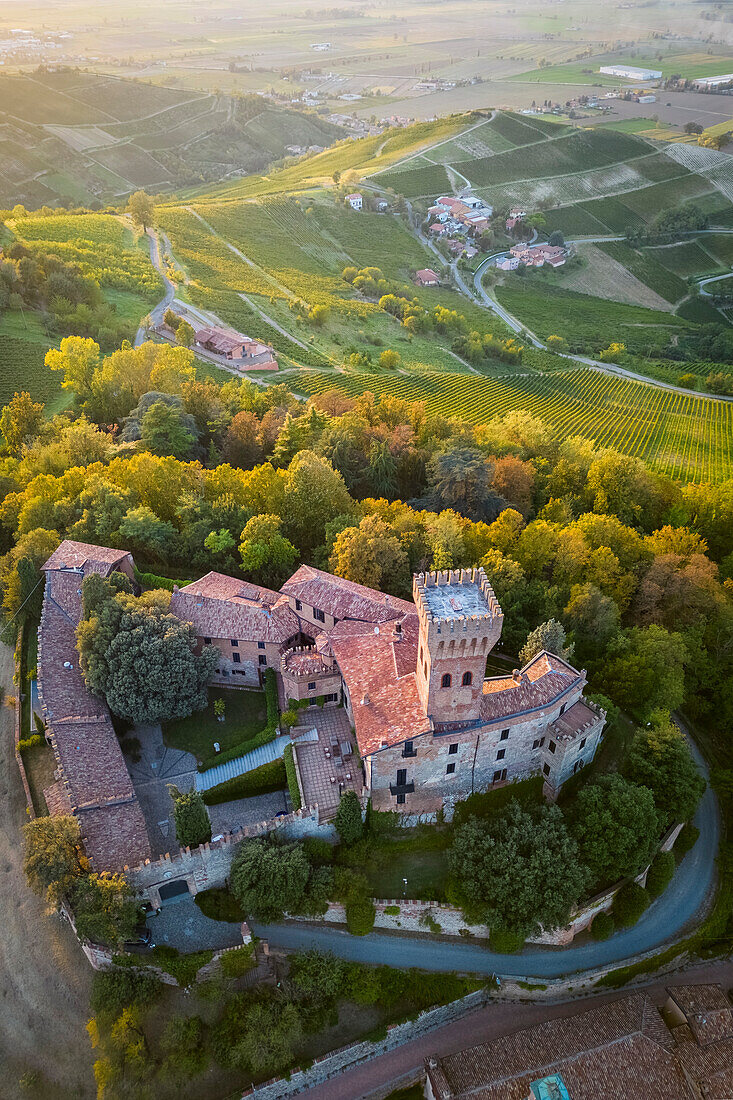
{"x":246,"y":671}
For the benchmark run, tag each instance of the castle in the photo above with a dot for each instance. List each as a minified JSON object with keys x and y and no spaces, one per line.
{"x":429,"y":727}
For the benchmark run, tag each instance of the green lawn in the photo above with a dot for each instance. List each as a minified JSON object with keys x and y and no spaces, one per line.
{"x":422,"y":860}
{"x":245,"y":717}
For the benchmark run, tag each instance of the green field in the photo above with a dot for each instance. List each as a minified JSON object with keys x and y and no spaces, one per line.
{"x":659,"y":278}
{"x":683,"y":436}
{"x":23,"y":346}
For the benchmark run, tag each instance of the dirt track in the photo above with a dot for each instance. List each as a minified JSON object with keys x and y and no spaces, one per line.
{"x":44,"y":977}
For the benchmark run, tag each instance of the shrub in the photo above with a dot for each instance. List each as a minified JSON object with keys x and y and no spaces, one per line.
{"x":113,"y":990}
{"x":220,"y":904}
{"x":686,"y":840}
{"x":391,"y":910}
{"x":268,"y":777}
{"x":491,"y":803}
{"x":318,"y":851}
{"x":505,"y":942}
{"x":32,"y":742}
{"x":291,"y":775}
{"x":183,"y":968}
{"x":191,"y":817}
{"x":628,"y":905}
{"x":360,"y":914}
{"x":289,"y":717}
{"x":602,"y":926}
{"x":348,"y":820}
{"x":237,"y":962}
{"x":660,"y":874}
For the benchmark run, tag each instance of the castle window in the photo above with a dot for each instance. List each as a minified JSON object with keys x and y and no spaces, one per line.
{"x":318,"y":614}
{"x":207,"y":641}
{"x":562,"y":708}
{"x":312,"y":685}
{"x":298,"y":605}
{"x":234,"y":642}
{"x":546,"y":769}
{"x":409,"y":749}
{"x":236,"y":657}
{"x":401,"y":777}
{"x":578,"y":765}
{"x":501,"y":754}
{"x":536,"y":743}
{"x":425,"y":670}
{"x":552,"y":746}
{"x":467,"y":679}
{"x":260,"y":645}
{"x":453,"y":749}
{"x":421,"y":653}
{"x":446,"y":681}
{"x":542,"y":741}
{"x":400,"y":800}
{"x":262,"y":659}
{"x":450,"y":769}
{"x":504,"y":735}
{"x":582,"y":743}
{"x":498,"y":776}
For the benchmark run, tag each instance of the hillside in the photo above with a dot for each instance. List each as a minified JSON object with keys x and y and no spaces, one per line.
{"x":79,"y":137}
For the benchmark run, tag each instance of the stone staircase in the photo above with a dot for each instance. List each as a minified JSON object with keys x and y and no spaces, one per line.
{"x":264,"y":754}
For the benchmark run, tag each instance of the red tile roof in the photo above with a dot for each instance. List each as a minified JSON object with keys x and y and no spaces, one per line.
{"x":344,"y":599}
{"x":543,"y":680}
{"x":86,"y":556}
{"x":94,"y":782}
{"x":226,"y":343}
{"x":379,"y":672}
{"x":707,"y":1011}
{"x":224,"y":607}
{"x":608,"y":1051}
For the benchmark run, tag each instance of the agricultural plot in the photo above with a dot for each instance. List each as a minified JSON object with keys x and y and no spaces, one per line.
{"x":585,"y":320}
{"x":683,"y":436}
{"x":608,"y":275}
{"x":662,"y":281}
{"x":685,"y":258}
{"x":416,"y":183}
{"x":23,"y":346}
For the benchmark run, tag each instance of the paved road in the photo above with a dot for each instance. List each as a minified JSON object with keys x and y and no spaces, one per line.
{"x":666,"y":919}
{"x":156,"y":313}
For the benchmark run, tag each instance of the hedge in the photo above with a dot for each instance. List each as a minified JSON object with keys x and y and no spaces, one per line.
{"x":602,"y":926}
{"x":152,"y":580}
{"x":628,"y":905}
{"x":527,"y":792}
{"x":183,"y":968}
{"x":660,"y":873}
{"x":291,"y":773}
{"x":269,"y":733}
{"x":268,"y":777}
{"x":505,"y":942}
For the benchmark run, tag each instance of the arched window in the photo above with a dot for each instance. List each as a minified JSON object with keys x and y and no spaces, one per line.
{"x":467,"y":679}
{"x":445,"y":682}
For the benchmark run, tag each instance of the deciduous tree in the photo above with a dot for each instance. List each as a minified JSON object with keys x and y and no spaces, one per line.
{"x":616,"y":826}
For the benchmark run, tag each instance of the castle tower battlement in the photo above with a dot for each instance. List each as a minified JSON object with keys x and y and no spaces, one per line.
{"x":460,"y":623}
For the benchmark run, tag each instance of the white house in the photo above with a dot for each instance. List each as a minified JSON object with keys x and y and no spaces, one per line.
{"x":355,"y":201}
{"x":508,"y":263}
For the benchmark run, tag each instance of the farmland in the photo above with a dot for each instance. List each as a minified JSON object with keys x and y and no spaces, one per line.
{"x":686,"y":437}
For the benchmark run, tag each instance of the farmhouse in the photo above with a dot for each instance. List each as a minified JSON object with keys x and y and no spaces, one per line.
{"x":537,"y":255}
{"x":624,"y":1049}
{"x":355,"y":200}
{"x":429,"y":726}
{"x":236,"y":348}
{"x":427,"y":277}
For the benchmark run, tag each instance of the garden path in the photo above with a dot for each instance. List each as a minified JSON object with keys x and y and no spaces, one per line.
{"x":157,"y":766}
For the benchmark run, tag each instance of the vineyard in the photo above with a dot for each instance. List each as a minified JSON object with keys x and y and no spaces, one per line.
{"x":683,"y":436}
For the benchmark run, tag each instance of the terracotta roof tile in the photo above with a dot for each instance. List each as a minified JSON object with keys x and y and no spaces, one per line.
{"x":707,"y":1011}
{"x":543,"y":680}
{"x":224,"y":607}
{"x":87,"y":556}
{"x":379,"y":672}
{"x":344,"y":599}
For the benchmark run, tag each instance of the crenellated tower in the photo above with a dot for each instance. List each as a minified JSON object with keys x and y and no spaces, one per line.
{"x":460,"y":623}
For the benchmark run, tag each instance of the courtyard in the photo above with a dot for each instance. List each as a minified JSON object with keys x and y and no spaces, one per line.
{"x":328,"y":761}
{"x":245,"y":715}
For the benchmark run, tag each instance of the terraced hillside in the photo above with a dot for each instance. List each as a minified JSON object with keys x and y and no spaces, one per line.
{"x":80,"y":136}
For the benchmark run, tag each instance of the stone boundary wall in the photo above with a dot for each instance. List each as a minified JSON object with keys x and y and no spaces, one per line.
{"x":331,"y":1065}
{"x":208,"y":865}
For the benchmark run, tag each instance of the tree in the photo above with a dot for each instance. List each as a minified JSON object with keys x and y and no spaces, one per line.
{"x":389,"y":359}
{"x":139,"y":657}
{"x":592,"y":617}
{"x":105,"y":909}
{"x":185,"y":334}
{"x":660,"y":873}
{"x":514,"y":481}
{"x":620,"y":485}
{"x":373,"y":555}
{"x":461,"y":479}
{"x":314,"y":495}
{"x":20,"y":422}
{"x":267,"y":556}
{"x":78,"y":358}
{"x":348,"y":822}
{"x":141,"y":209}
{"x":142,"y":531}
{"x":693,"y":128}
{"x":519,"y":871}
{"x":191,"y":817}
{"x":163,"y":432}
{"x":556,"y":238}
{"x":616,"y":826}
{"x":54,"y":859}
{"x":268,"y":879}
{"x":550,"y":636}
{"x":242,"y":446}
{"x":644,"y":670}
{"x":661,"y":760}
{"x":629,"y":904}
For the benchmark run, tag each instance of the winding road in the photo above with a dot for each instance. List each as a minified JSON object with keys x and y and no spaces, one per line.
{"x":666,"y":920}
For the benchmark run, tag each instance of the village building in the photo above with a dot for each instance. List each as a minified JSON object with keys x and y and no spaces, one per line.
{"x":405,"y":681}
{"x":239,"y":350}
{"x":427,"y":277}
{"x":625,"y":1049}
{"x":355,"y":200}
{"x":538,"y":255}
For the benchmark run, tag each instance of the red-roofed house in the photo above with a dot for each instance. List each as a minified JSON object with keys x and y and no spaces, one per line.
{"x":427,"y":277}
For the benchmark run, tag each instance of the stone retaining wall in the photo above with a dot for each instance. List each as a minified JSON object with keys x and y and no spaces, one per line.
{"x":208,"y":865}
{"x":338,"y":1061}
